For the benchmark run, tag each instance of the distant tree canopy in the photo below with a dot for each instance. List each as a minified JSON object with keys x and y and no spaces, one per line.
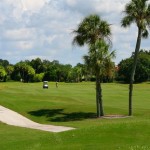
{"x":38,"y":70}
{"x":4,"y":63}
{"x":25,"y":71}
{"x":143,"y":67}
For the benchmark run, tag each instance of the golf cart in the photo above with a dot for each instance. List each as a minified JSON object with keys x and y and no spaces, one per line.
{"x":45,"y":84}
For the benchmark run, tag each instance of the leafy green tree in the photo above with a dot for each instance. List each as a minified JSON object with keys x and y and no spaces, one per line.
{"x":38,"y":66}
{"x":91,"y":31}
{"x":142,"y":72}
{"x":30,"y":72}
{"x":46,"y":65}
{"x":25,"y":71}
{"x":38,"y":77}
{"x":50,"y":75}
{"x":73,"y":75}
{"x":2,"y":73}
{"x":124,"y":70}
{"x":9,"y":70}
{"x":138,"y":12}
{"x":78,"y":71}
{"x":64,"y":71}
{"x":4,"y":63}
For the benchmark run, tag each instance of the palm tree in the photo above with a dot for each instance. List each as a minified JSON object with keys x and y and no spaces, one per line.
{"x":138,"y":12}
{"x":99,"y":61}
{"x":91,"y":31}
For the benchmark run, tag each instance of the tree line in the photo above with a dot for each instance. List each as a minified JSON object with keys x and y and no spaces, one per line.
{"x":38,"y":70}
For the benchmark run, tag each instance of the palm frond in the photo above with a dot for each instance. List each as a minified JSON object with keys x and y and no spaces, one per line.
{"x":78,"y":40}
{"x":127,"y":21}
{"x":145,"y":34}
{"x":137,"y":11}
{"x":90,"y":29}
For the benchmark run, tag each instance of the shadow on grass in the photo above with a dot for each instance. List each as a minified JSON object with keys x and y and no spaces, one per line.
{"x":58,"y":115}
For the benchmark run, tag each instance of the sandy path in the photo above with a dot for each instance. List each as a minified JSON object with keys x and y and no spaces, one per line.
{"x":13,"y":118}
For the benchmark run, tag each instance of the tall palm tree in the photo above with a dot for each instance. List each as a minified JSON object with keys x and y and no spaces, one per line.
{"x":99,"y":61}
{"x":138,"y":12}
{"x":91,"y":30}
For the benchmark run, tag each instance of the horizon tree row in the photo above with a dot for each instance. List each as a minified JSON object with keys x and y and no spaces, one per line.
{"x":38,"y":70}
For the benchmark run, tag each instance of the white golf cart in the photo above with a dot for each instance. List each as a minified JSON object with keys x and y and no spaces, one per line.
{"x":45,"y":84}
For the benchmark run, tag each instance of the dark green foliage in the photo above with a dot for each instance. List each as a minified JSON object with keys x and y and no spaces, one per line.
{"x":38,"y":65}
{"x":4,"y":63}
{"x":25,"y":71}
{"x":2,"y":74}
{"x":50,"y":76}
{"x":142,"y":72}
{"x":44,"y":70}
{"x":38,"y":77}
{"x":124,"y":70}
{"x":9,"y":69}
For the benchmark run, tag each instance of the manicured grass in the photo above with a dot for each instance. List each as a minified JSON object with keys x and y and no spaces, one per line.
{"x":73,"y":104}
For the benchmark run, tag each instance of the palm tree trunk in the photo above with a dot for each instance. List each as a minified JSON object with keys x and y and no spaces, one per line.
{"x":99,"y":97}
{"x":100,"y":100}
{"x":137,"y":48}
{"x":97,"y":101}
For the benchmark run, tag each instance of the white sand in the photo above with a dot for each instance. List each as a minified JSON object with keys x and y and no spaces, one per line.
{"x":13,"y":118}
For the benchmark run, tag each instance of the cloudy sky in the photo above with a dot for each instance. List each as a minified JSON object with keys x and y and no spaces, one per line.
{"x":42,"y":28}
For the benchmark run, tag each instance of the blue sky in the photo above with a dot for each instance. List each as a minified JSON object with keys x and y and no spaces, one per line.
{"x":42,"y":28}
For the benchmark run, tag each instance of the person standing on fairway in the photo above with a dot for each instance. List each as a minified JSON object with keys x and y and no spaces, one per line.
{"x":56,"y":84}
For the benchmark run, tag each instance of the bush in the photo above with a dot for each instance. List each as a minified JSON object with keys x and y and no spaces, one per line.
{"x":38,"y":77}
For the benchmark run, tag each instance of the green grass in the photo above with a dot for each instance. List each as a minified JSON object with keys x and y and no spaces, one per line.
{"x":73,"y":104}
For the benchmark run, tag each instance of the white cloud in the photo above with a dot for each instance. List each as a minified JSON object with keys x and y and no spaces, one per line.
{"x":71,"y":2}
{"x":20,"y":34}
{"x":109,"y":6}
{"x":96,"y":6}
{"x":32,"y":5}
{"x":24,"y":45}
{"x":2,"y":18}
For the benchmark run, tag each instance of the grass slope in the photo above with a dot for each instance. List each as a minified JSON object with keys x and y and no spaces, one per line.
{"x":73,"y":104}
